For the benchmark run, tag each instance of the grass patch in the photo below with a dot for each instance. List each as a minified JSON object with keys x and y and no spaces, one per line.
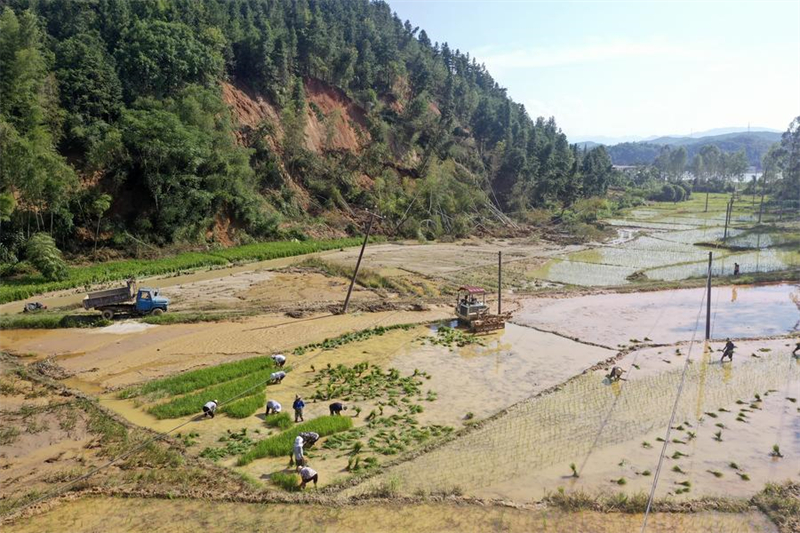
{"x":83,"y":276}
{"x":202,"y":378}
{"x":8,"y":435}
{"x":192,"y":318}
{"x":281,"y":444}
{"x":52,"y":321}
{"x":781,"y":503}
{"x":245,"y":407}
{"x":280,"y":421}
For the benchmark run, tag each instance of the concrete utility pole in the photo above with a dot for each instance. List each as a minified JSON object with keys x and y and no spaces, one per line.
{"x":728,"y":212}
{"x":763,"y":192}
{"x":358,"y":263}
{"x":499,"y":283}
{"x":708,"y":300}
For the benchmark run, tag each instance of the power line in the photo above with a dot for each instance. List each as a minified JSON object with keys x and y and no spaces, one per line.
{"x":672,"y":417}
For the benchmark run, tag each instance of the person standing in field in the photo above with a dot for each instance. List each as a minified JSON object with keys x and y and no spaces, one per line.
{"x":277,"y":377}
{"x":297,"y":452}
{"x":308,"y":474}
{"x":298,"y":406}
{"x":796,"y":349}
{"x":209,"y":408}
{"x":727,"y":351}
{"x":279,"y":359}
{"x":273,"y":407}
{"x":336,"y":408}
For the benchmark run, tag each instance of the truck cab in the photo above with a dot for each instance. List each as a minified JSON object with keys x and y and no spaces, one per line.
{"x":148,"y":301}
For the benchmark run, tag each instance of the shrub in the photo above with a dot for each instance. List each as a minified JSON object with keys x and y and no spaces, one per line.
{"x":281,"y":444}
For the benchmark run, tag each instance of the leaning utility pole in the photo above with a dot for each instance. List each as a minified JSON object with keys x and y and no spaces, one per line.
{"x":708,"y":300}
{"x":358,"y":263}
{"x":728,"y":212}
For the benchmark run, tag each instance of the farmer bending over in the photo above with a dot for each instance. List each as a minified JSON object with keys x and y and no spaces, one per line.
{"x":273,"y":407}
{"x":298,"y":406}
{"x":336,"y":408}
{"x":309,"y":438}
{"x":209,"y":408}
{"x":615,"y":374}
{"x":279,"y":359}
{"x":308,"y":474}
{"x":277,"y":377}
{"x":297,"y":451}
{"x":727,"y":351}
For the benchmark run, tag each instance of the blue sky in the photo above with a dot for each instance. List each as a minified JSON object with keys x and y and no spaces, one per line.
{"x":635,"y":68}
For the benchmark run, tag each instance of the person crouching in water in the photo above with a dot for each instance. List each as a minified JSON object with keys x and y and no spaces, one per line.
{"x":615,"y":374}
{"x":727,"y":351}
{"x":336,"y":408}
{"x":209,"y":408}
{"x":273,"y":407}
{"x":308,"y":474}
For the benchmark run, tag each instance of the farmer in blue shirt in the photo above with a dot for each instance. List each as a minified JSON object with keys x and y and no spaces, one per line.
{"x":298,"y":406}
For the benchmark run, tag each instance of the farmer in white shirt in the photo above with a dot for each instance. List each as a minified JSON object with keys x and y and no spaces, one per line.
{"x":277,"y":377}
{"x":209,"y":408}
{"x":308,"y":474}
{"x":279,"y":359}
{"x":297,"y":452}
{"x":273,"y":407}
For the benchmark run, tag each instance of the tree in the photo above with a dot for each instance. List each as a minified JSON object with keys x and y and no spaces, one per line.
{"x":596,"y":171}
{"x":99,"y":206}
{"x":42,"y":253}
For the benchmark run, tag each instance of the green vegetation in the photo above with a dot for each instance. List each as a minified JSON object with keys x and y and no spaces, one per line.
{"x":280,"y":421}
{"x":193,"y":403}
{"x":21,"y":287}
{"x":366,"y":277}
{"x":42,"y":253}
{"x":347,"y":338}
{"x":244,"y":407}
{"x":288,"y":481}
{"x":281,"y":444}
{"x":236,"y":442}
{"x":447,"y":336}
{"x":201,"y":378}
{"x":781,"y":503}
{"x":52,"y":321}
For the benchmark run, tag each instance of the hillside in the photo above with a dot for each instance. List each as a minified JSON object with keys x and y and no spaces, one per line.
{"x":222,"y":121}
{"x":755,"y":145}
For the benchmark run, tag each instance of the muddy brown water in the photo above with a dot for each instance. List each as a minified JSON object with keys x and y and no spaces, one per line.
{"x":600,"y":427}
{"x":668,"y":316}
{"x":106,"y":514}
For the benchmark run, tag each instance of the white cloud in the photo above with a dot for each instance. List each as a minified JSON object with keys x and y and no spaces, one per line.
{"x":592,"y":52}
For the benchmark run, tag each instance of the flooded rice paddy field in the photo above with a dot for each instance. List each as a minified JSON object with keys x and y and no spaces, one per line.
{"x":96,"y":514}
{"x":672,"y":243}
{"x":668,"y":316}
{"x":601,"y":427}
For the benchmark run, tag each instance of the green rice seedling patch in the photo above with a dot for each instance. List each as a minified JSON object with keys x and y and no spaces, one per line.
{"x":246,"y":406}
{"x":347,"y":338}
{"x":447,"y":336}
{"x":288,"y":481}
{"x":281,"y":421}
{"x":235,"y":443}
{"x":193,"y":403}
{"x":281,"y":444}
{"x":202,"y":378}
{"x":585,"y":274}
{"x":52,"y":321}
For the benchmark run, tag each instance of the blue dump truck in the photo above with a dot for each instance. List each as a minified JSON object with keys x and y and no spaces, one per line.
{"x":128,"y":300}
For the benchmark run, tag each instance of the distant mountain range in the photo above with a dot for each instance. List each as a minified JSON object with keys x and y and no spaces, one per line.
{"x":754,"y":143}
{"x":595,"y":140}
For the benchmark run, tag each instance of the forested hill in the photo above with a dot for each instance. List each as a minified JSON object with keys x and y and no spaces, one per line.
{"x":754,"y":144}
{"x":222,"y":120}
